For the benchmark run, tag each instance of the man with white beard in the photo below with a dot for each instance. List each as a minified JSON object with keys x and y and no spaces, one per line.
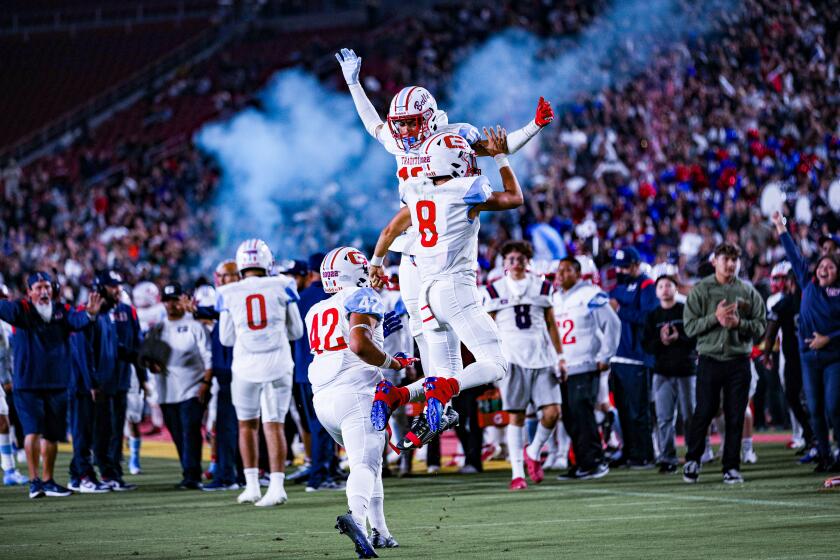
{"x":42,"y":371}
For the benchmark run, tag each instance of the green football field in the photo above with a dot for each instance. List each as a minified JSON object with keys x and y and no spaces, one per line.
{"x":778,"y":514}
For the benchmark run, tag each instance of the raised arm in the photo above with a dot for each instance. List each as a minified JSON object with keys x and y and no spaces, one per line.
{"x":398,"y":224}
{"x":518,"y":138}
{"x":798,"y":264}
{"x":512,"y":196}
{"x":351,"y":65}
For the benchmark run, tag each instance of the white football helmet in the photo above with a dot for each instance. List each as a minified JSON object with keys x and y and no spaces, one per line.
{"x":588,"y":270}
{"x":778,"y":276}
{"x":205,"y":296}
{"x":417,"y":107}
{"x":254,"y":253}
{"x":345,"y":267}
{"x":448,"y":155}
{"x":145,"y":294}
{"x":664,"y":269}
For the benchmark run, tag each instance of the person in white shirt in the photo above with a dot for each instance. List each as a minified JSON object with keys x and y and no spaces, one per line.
{"x":346,"y":340}
{"x":258,"y":317}
{"x":183,"y":383}
{"x":444,"y":203}
{"x":520,"y":303}
{"x":589,"y":331}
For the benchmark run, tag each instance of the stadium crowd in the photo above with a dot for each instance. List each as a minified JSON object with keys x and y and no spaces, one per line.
{"x":668,"y":169}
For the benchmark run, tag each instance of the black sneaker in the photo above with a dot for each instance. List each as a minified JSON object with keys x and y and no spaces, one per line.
{"x":346,"y":525}
{"x":189,"y":485}
{"x":571,"y":474}
{"x":54,"y":490}
{"x":732,"y":476}
{"x":421,"y":433}
{"x":36,"y":488}
{"x":691,"y":472}
{"x":119,"y":485}
{"x":379,"y":541}
{"x":598,"y":472}
{"x":667,"y":468}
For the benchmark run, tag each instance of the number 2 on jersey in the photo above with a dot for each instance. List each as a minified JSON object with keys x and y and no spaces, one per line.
{"x":328,"y":320}
{"x":568,"y":337}
{"x":426,"y":215}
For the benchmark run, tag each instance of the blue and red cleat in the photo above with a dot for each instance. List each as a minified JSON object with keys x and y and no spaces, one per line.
{"x":438,"y":392}
{"x":386,"y":400}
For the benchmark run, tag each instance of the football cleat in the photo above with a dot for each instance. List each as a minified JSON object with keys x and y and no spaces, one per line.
{"x":346,"y":525}
{"x":749,"y":457}
{"x":518,"y":484}
{"x":380,"y":541}
{"x":420,"y":433}
{"x":438,"y":392}
{"x":534,"y":468}
{"x":249,"y":496}
{"x":273,"y":498}
{"x":386,"y":400}
{"x":13,"y":477}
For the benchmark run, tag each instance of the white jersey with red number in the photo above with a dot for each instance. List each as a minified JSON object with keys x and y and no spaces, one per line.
{"x":328,"y":324}
{"x":259,"y":315}
{"x":410,"y":164}
{"x":589,"y":329}
{"x":520,"y":314}
{"x":447,"y":239}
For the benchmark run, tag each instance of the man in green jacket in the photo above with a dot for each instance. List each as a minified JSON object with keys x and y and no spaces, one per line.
{"x":727,"y":316}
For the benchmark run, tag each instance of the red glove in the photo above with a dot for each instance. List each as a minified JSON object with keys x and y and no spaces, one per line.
{"x":404,"y":359}
{"x":545,"y":114}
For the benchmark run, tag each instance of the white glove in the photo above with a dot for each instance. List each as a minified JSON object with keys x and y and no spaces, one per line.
{"x":350,"y":65}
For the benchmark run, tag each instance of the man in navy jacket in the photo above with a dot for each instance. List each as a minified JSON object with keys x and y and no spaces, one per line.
{"x":42,"y":372}
{"x":116,"y":340}
{"x":633,"y":298}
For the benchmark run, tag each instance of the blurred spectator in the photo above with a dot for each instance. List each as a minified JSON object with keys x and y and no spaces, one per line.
{"x":727,"y":316}
{"x":819,"y":342}
{"x":633,"y":297}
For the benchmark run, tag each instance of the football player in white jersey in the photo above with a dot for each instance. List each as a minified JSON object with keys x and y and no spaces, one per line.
{"x":258,"y":316}
{"x":590,"y":332}
{"x":412,"y":118}
{"x":346,"y":340}
{"x":11,"y":476}
{"x":520,"y":303}
{"x":444,"y":205}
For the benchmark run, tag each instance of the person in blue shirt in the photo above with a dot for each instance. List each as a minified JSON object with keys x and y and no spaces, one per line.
{"x":819,"y":342}
{"x":633,"y":298}
{"x":115,"y":341}
{"x":322,"y":446}
{"x":41,"y":374}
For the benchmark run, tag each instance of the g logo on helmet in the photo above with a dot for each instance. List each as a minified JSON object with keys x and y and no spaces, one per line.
{"x":356,"y":258}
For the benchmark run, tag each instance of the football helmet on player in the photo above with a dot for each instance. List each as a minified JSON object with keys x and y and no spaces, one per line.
{"x":448,"y":155}
{"x":778,"y":276}
{"x":345,"y":267}
{"x":414,"y":116}
{"x":145,"y":294}
{"x":254,"y":253}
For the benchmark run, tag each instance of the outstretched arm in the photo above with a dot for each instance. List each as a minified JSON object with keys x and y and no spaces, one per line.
{"x":511,"y":197}
{"x":351,"y":65}
{"x":518,"y":138}
{"x":398,"y":224}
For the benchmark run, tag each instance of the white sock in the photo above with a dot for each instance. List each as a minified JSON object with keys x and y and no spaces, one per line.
{"x":252,"y":479}
{"x":7,"y":459}
{"x":478,"y":373}
{"x":359,"y":508}
{"x":564,"y":441}
{"x":376,"y":508}
{"x":746,"y":444}
{"x":275,"y":483}
{"x":540,"y":438}
{"x":515,"y":437}
{"x":415,"y":391}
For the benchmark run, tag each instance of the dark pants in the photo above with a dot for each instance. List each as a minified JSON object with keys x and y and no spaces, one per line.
{"x":579,"y":399}
{"x":81,"y":428}
{"x":183,"y":420}
{"x":228,"y":462}
{"x":821,"y":377}
{"x":793,"y":396}
{"x":108,"y":422}
{"x":631,"y":390}
{"x":468,"y":431}
{"x":322,"y":446}
{"x":713,"y":376}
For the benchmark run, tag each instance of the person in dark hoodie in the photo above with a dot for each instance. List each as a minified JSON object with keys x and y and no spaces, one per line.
{"x":116,"y":340}
{"x":819,"y":342}
{"x":674,"y":368}
{"x":633,"y":298}
{"x":42,"y":373}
